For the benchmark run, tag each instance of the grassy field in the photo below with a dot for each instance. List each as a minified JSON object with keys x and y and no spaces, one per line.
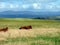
{"x":17,"y":22}
{"x":44,"y":32}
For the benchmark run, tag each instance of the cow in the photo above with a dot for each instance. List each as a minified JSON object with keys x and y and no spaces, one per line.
{"x":4,"y":29}
{"x":26,"y":27}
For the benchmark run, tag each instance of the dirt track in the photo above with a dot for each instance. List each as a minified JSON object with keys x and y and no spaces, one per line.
{"x":12,"y":33}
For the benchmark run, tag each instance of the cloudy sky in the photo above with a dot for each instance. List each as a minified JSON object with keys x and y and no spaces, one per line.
{"x":30,"y":5}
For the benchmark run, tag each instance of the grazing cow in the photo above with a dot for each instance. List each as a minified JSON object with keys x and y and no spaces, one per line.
{"x":4,"y":29}
{"x":26,"y":27}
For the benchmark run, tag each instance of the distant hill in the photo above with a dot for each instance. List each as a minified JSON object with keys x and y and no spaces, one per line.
{"x":27,"y":14}
{"x":54,"y":18}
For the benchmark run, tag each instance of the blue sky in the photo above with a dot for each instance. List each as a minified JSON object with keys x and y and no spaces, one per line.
{"x":30,"y":5}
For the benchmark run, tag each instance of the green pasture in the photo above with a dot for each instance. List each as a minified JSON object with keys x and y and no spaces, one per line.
{"x":17,"y":22}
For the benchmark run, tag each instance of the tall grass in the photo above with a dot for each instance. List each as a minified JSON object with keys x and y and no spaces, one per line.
{"x":40,"y":40}
{"x":39,"y":35}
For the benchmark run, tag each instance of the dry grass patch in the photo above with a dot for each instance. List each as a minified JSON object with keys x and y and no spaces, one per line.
{"x":35,"y":36}
{"x":13,"y":33}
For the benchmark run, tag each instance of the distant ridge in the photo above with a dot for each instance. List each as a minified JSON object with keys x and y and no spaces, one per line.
{"x":27,"y":14}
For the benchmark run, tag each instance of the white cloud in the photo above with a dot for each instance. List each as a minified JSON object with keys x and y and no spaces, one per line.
{"x":58,"y":6}
{"x":41,"y":1}
{"x":36,"y":6}
{"x":52,"y":7}
{"x":11,"y":6}
{"x":17,"y":6}
{"x":49,"y":7}
{"x":2,"y":5}
{"x":25,"y":6}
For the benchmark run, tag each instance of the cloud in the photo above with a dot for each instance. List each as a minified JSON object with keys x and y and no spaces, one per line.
{"x":25,"y":6}
{"x":39,"y":5}
{"x":28,"y":1}
{"x":2,"y":5}
{"x":36,"y":6}
{"x":52,"y":7}
{"x":11,"y":6}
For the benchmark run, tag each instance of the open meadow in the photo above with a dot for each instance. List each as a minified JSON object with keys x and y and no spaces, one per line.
{"x":43,"y":32}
